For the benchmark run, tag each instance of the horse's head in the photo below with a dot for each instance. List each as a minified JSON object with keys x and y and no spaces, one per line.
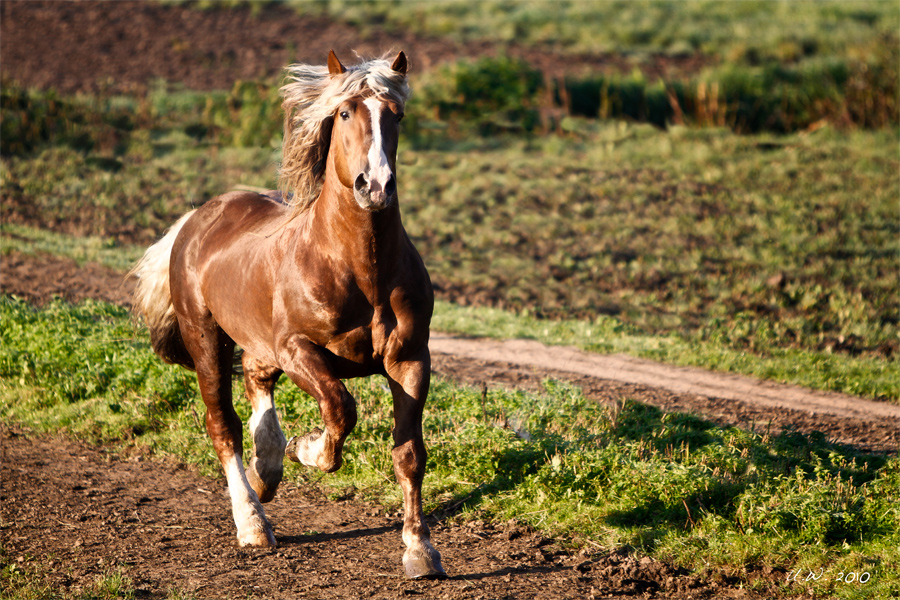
{"x":364,"y":142}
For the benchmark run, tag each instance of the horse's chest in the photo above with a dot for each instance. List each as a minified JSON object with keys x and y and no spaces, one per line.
{"x":366,"y":343}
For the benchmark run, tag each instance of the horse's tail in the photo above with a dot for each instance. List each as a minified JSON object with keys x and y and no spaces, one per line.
{"x":153,"y":298}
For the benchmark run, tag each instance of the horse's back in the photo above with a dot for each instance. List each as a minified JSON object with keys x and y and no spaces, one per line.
{"x":241,"y":213}
{"x":223,"y":263}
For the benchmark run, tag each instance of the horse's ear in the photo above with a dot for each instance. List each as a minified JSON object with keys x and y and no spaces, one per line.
{"x":400,"y":65}
{"x":334,"y":65}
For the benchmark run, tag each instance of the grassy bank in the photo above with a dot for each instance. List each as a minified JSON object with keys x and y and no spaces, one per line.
{"x":757,"y":66}
{"x":750,"y":32}
{"x":712,"y":499}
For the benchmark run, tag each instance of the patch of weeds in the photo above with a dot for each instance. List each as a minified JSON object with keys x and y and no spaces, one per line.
{"x":111,"y":585}
{"x":35,"y":119}
{"x":487,"y":97}
{"x":176,"y":594}
{"x":21,"y":579}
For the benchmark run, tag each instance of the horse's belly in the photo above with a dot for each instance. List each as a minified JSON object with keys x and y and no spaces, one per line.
{"x":354,"y":346}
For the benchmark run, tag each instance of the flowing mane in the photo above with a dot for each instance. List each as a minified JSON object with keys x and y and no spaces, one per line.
{"x":311,"y":97}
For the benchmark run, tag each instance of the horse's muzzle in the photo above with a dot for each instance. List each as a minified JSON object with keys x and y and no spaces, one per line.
{"x":372,"y":195}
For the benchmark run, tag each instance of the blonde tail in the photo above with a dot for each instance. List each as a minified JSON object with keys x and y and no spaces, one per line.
{"x":153,"y":298}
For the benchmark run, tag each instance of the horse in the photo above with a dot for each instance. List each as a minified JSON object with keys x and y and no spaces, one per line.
{"x":317,"y":280}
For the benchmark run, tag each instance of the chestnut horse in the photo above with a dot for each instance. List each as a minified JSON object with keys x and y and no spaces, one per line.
{"x":325,"y":287}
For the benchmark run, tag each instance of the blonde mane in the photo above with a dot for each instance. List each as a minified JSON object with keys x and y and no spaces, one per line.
{"x":311,"y":97}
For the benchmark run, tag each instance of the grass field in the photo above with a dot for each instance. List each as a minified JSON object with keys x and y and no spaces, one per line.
{"x":669,"y":485}
{"x":774,"y":255}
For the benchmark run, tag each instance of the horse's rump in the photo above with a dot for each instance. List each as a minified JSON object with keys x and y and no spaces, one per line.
{"x":153,"y":298}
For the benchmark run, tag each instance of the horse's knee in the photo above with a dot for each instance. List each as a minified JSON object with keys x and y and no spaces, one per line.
{"x":339,"y":413}
{"x":409,"y":461}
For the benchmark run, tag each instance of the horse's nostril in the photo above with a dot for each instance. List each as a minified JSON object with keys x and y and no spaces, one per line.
{"x":391,"y":187}
{"x":361,"y":184}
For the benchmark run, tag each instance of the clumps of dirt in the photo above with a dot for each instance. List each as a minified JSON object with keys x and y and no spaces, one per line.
{"x":123,"y":47}
{"x":72,"y":513}
{"x":40,"y":278}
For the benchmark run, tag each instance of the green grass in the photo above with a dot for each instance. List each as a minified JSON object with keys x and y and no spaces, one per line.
{"x":23,"y":578}
{"x":749,"y":32}
{"x":669,"y":485}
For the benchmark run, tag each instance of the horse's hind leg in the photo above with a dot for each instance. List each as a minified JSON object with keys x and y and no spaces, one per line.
{"x":409,"y":383}
{"x":212,"y":351}
{"x":267,"y":464}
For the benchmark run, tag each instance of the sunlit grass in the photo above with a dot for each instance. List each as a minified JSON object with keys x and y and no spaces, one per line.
{"x":669,"y":485}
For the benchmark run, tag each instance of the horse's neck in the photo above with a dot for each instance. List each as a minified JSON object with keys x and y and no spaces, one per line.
{"x":367,"y":241}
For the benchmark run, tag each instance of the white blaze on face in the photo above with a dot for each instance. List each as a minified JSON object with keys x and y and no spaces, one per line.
{"x":379,"y":167}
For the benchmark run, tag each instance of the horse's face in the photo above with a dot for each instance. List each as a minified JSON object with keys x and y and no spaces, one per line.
{"x":364,"y":140}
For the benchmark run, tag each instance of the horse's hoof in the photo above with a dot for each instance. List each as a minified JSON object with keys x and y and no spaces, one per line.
{"x":297,"y":448}
{"x":258,"y":539}
{"x":423,"y":565}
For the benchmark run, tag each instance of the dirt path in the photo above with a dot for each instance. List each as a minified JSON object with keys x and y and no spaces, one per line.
{"x":677,"y":380}
{"x":72,"y":513}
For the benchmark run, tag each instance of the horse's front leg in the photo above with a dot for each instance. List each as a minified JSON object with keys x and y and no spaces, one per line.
{"x":409,"y":381}
{"x":309,"y":368}
{"x":267,"y":464}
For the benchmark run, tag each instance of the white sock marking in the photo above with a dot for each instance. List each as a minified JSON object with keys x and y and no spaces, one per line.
{"x":249,"y":517}
{"x":269,"y":442}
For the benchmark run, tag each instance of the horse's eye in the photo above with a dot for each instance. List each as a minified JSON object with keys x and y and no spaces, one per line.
{"x":400,"y":117}
{"x":345,"y":115}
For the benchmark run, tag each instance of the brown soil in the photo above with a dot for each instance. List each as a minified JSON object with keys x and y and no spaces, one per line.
{"x":72,"y":513}
{"x":124,"y":46}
